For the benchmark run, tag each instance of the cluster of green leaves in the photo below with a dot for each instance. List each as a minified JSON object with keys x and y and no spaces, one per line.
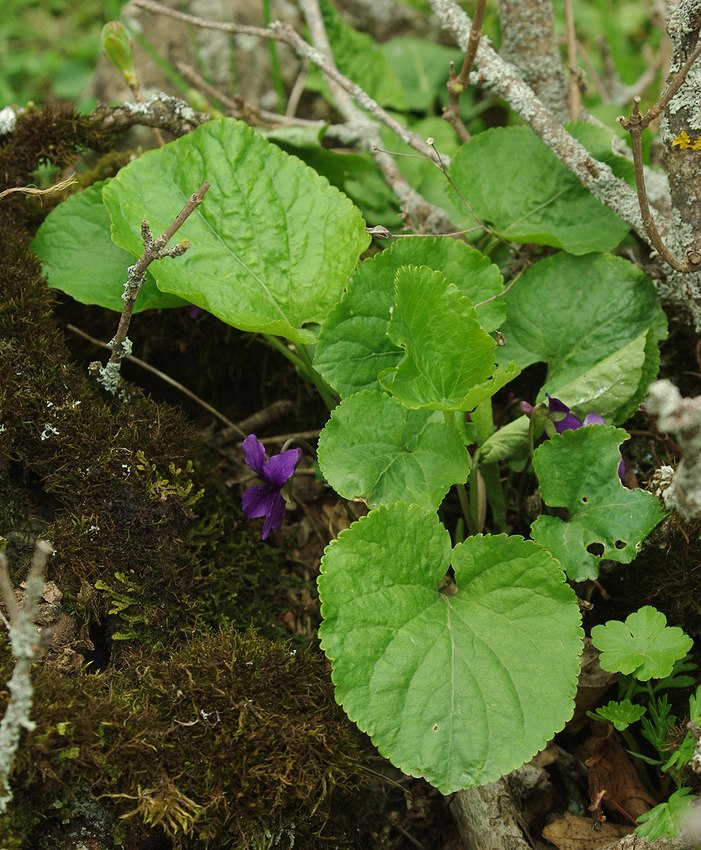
{"x":652,"y":659}
{"x":437,"y":652}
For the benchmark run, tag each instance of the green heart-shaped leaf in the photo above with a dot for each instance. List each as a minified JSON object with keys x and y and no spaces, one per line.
{"x":374,"y":448}
{"x":459,"y":684}
{"x":272,"y":244}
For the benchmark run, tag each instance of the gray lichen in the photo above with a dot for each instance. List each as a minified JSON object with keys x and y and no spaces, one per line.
{"x":681,"y":417}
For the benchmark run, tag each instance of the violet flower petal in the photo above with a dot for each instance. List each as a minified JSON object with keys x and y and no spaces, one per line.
{"x":593,"y":419}
{"x":254,"y":453}
{"x":258,"y":501}
{"x":273,"y":521}
{"x":568,"y":421}
{"x":280,"y":468}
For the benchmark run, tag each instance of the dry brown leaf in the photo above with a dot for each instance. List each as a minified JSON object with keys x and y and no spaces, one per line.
{"x":572,"y":833}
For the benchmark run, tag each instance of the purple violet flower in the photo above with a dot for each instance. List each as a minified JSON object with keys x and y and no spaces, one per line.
{"x":563,"y":419}
{"x":266,"y":500}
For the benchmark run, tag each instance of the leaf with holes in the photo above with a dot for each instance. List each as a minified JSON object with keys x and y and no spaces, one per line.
{"x":353,"y":346}
{"x":376,"y":449}
{"x":578,"y":470}
{"x":456,"y":682}
{"x":272,"y":244}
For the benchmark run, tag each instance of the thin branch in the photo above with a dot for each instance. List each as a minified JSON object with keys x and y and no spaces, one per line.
{"x":457,"y":84}
{"x":501,"y":79}
{"x":237,"y":107}
{"x":154,"y":249}
{"x":26,"y":643}
{"x":635,"y":126}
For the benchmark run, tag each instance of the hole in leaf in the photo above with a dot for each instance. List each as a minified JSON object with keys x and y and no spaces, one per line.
{"x":620,"y":544}
{"x":435,"y":727}
{"x":595,"y":549}
{"x":585,"y":500}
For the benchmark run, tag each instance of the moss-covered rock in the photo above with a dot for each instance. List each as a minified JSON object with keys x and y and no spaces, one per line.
{"x":186,"y":731}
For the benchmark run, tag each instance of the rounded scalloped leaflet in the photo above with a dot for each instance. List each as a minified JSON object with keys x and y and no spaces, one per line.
{"x":459,"y":683}
{"x":353,"y":346}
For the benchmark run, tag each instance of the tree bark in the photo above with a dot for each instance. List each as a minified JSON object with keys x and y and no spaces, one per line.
{"x":528,"y":41}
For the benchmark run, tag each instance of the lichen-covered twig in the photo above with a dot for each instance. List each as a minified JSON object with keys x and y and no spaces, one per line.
{"x":635,"y":125}
{"x":502,"y":79}
{"x":458,"y":82}
{"x":681,"y":417}
{"x":163,"y":111}
{"x":25,"y":642}
{"x":154,"y":249}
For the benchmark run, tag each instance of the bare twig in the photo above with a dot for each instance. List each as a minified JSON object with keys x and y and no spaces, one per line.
{"x":25,"y":643}
{"x":237,"y":107}
{"x":635,"y":125}
{"x":458,"y":83}
{"x":154,"y":249}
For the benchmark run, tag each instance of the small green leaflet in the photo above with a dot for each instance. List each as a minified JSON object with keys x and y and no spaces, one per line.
{"x":353,"y":346}
{"x":457,"y":684}
{"x":621,"y":714}
{"x":578,"y":470}
{"x":448,"y":361}
{"x":644,"y":646}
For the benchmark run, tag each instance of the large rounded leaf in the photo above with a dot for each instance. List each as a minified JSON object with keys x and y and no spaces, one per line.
{"x":353,"y":346}
{"x":79,"y":228}
{"x":517,"y":185}
{"x":456,"y":684}
{"x":596,"y":322}
{"x":374,"y":448}
{"x":272,"y":244}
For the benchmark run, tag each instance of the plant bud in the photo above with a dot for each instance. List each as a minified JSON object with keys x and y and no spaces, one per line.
{"x":117,"y":47}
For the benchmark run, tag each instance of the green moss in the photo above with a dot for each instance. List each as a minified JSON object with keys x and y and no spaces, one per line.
{"x":213,"y":744}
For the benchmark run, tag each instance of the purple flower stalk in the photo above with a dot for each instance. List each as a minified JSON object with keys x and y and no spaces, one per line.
{"x":266,"y":500}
